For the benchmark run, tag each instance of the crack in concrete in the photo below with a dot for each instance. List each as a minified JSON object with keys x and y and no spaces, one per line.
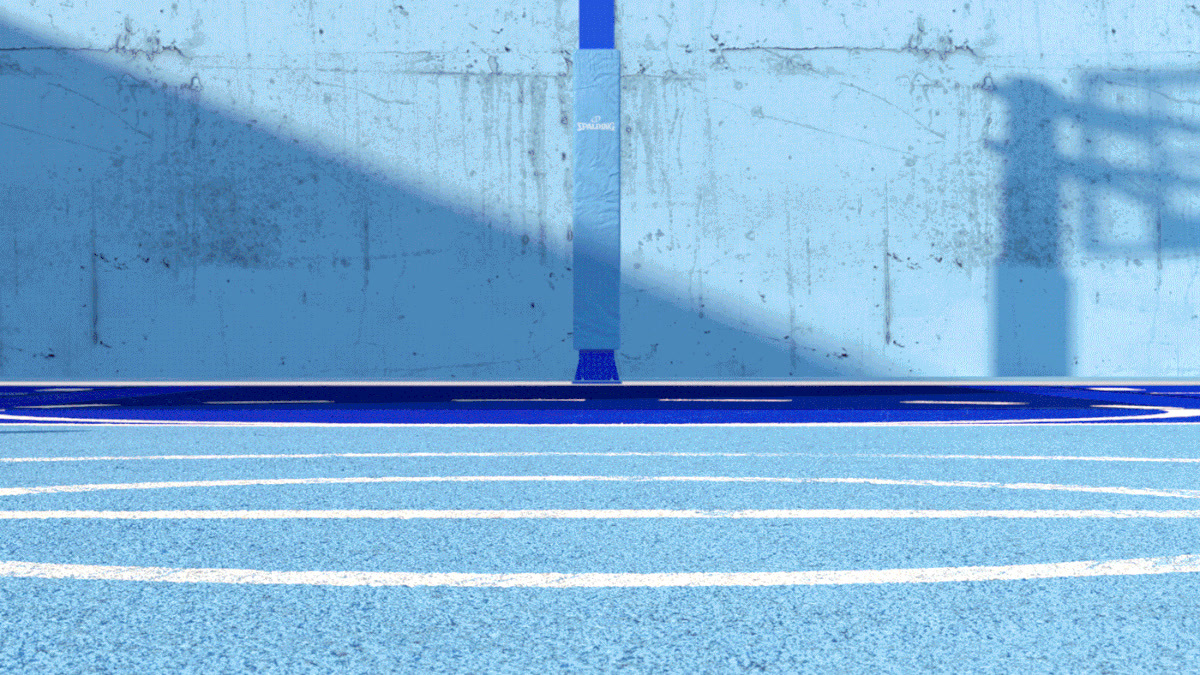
{"x":102,"y":107}
{"x":535,"y":357}
{"x":362,"y":91}
{"x":148,"y":53}
{"x":923,"y":52}
{"x":756,"y":111}
{"x":115,"y":49}
{"x":902,"y":110}
{"x":59,"y":138}
{"x":1135,"y":85}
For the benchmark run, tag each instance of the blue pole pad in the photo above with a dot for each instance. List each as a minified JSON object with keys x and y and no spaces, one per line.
{"x":597,"y":20}
{"x":597,"y":199}
{"x":599,"y":365}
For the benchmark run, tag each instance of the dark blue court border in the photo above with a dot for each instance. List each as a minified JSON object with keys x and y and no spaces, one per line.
{"x":600,"y":404}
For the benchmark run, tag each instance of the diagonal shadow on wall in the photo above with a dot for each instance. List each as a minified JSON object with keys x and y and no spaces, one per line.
{"x":148,"y":236}
{"x":1135,"y":136}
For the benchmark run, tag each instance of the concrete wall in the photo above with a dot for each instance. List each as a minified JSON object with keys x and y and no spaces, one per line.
{"x":381,"y":190}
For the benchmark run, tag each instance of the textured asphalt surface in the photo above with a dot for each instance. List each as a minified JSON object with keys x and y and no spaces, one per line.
{"x":170,"y":622}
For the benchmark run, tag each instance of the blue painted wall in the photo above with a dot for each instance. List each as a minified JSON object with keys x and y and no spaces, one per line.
{"x":382,"y":191}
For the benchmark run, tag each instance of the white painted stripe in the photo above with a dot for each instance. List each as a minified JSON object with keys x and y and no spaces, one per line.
{"x":1115,"y":388}
{"x":67,"y":389}
{"x":725,"y":400}
{"x":258,"y":402}
{"x":515,"y":400}
{"x":69,"y":405}
{"x":971,"y":402}
{"x":1088,"y":568}
{"x":382,"y":455}
{"x":1166,"y":412}
{"x":588,"y":514}
{"x":1140,"y":492}
{"x":1055,"y":458}
{"x":96,"y":487}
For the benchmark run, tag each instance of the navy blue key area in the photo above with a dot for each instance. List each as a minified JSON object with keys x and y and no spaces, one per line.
{"x":569,"y":403}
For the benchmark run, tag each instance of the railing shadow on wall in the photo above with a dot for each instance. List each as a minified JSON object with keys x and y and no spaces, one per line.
{"x":145,"y":235}
{"x":1129,"y":150}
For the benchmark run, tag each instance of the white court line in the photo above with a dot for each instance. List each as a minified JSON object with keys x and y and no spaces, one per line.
{"x":1053,"y":458}
{"x":381,"y":455}
{"x":1166,"y":412}
{"x":725,"y":400}
{"x":516,"y":400}
{"x":68,"y":405}
{"x":1088,"y":568}
{"x":972,"y":402}
{"x":257,"y":402}
{"x":588,"y":514}
{"x":96,"y":487}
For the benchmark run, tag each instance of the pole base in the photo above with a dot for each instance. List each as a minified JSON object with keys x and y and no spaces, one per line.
{"x":596,"y":366}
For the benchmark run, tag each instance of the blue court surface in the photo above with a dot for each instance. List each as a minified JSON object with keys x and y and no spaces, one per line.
{"x":642,"y":528}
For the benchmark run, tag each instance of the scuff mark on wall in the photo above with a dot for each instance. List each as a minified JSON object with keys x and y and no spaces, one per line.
{"x":366,"y":242}
{"x":944,"y":52}
{"x":791,"y":289}
{"x":95,"y":275}
{"x":234,"y":225}
{"x":887,"y":271}
{"x":153,"y":44}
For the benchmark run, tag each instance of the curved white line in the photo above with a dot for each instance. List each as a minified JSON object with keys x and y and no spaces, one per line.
{"x":1052,"y":458}
{"x":1088,"y":568}
{"x":589,"y":514}
{"x":1166,"y":413}
{"x":377,"y":455}
{"x":96,"y":487}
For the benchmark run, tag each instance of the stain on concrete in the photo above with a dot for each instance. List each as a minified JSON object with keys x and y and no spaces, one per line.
{"x":95,"y":278}
{"x":887,"y":271}
{"x":219,"y":223}
{"x":366,"y":243}
{"x":152,"y":45}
